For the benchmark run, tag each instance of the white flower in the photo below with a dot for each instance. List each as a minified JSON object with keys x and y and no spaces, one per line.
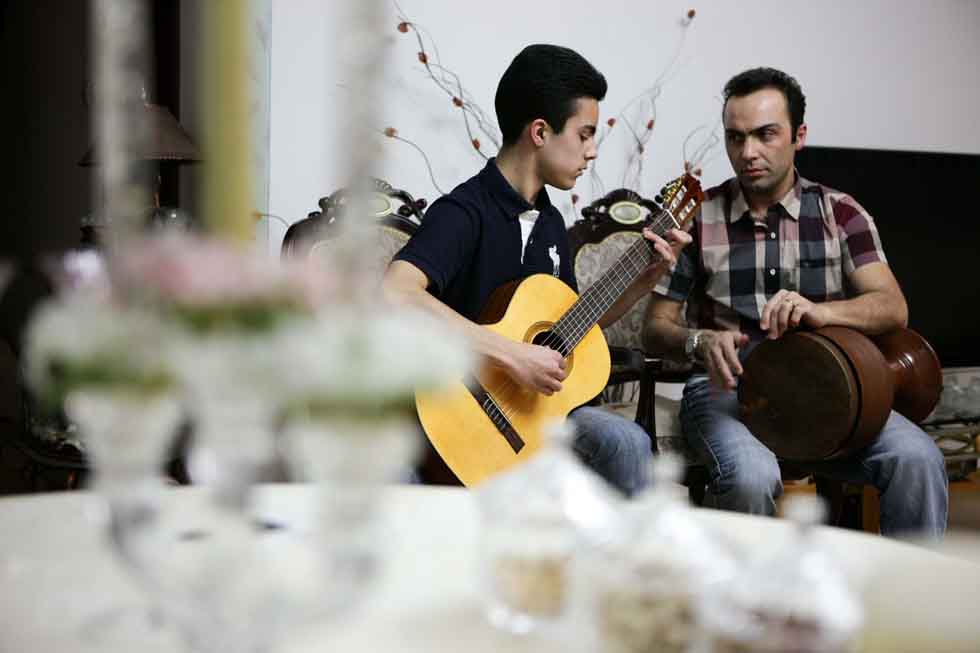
{"x":221,"y":366}
{"x":348,"y":361}
{"x":81,"y":338}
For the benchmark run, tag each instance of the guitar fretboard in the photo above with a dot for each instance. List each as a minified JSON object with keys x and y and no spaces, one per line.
{"x":596,"y":300}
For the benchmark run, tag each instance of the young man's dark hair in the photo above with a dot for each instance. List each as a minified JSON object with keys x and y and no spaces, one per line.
{"x":757,"y":79}
{"x":544,"y":81}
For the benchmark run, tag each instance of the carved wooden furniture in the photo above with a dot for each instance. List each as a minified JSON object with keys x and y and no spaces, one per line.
{"x":396,"y":211}
{"x":607,"y":228}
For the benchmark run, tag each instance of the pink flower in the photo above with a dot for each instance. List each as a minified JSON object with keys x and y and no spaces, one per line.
{"x":203,"y":272}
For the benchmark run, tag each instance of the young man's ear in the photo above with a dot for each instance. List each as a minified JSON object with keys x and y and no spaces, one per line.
{"x":537,"y":130}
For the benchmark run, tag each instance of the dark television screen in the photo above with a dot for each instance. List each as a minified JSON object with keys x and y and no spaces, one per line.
{"x":929,"y":221}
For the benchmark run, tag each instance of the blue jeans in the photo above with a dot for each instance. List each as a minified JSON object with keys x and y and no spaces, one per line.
{"x":612,"y":446}
{"x":903,"y":463}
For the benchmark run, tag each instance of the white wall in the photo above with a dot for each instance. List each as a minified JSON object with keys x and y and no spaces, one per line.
{"x":877,"y":74}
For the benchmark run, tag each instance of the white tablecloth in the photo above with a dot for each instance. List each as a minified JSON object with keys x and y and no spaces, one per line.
{"x":57,"y":577}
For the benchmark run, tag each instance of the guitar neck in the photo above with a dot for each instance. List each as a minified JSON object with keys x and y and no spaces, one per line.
{"x":601,"y":295}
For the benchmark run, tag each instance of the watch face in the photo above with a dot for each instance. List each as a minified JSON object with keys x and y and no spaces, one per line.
{"x":691,"y":344}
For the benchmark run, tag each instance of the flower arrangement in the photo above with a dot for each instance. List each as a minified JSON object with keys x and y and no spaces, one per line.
{"x":211,"y":286}
{"x":87,"y":340}
{"x":221,"y":321}
{"x":346,"y":363}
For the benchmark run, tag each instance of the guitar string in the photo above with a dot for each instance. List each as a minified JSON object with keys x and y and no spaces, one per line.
{"x":581,"y":316}
{"x":591,"y":306}
{"x":583,"y":319}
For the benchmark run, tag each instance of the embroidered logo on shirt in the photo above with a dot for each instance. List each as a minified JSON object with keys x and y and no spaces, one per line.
{"x":555,"y":259}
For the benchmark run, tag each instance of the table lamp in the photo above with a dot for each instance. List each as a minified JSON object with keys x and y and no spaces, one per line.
{"x":167,"y":142}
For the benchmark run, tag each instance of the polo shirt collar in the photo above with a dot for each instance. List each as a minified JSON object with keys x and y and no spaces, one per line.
{"x":508,"y":199}
{"x":790,"y":201}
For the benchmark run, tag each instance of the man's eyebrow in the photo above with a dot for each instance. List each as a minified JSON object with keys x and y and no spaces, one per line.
{"x":588,"y":129}
{"x":756,"y":130}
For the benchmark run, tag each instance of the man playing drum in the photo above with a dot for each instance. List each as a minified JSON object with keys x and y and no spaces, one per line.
{"x":773,"y":251}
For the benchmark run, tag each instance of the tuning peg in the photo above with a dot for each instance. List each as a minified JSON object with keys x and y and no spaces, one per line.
{"x":658,"y":199}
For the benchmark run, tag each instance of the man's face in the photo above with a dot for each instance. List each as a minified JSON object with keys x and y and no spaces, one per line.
{"x":759,"y":141}
{"x":565,"y":156}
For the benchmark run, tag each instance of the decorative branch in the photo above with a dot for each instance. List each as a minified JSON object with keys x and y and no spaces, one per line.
{"x":391,"y":132}
{"x":449,"y":82}
{"x":640,"y":136}
{"x":698,"y":153}
{"x":639,"y":124}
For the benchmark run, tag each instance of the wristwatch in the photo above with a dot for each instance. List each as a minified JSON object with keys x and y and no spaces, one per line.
{"x":691,"y":345}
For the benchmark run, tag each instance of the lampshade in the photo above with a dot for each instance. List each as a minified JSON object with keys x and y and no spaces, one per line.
{"x":167,"y":140}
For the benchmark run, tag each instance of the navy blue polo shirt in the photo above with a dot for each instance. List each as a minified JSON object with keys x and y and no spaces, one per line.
{"x":469,"y":243}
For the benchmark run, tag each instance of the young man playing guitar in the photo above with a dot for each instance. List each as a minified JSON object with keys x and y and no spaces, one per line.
{"x":774,"y":251}
{"x":500,"y":226}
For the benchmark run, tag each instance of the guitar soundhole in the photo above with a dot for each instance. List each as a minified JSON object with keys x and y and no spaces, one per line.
{"x":551,"y":340}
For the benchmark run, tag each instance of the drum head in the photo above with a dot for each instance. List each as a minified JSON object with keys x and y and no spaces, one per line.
{"x":798,"y":395}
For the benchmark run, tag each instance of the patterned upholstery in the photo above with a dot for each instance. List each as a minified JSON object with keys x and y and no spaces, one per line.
{"x":598,"y":240}
{"x":388,"y":241}
{"x":591,"y":260}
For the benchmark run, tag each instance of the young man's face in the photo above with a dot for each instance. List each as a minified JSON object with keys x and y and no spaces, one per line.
{"x":566,"y":155}
{"x":759,"y":141}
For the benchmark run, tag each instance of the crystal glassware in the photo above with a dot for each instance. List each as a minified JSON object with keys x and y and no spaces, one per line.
{"x":126,"y":436}
{"x":647,"y":585}
{"x":796,"y":599}
{"x":349,"y":458}
{"x":538,"y":521}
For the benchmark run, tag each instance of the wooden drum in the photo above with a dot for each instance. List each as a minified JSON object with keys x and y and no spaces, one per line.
{"x":824,"y":394}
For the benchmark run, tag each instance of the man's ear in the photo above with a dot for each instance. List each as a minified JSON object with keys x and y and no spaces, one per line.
{"x":800,"y":137}
{"x":537,"y":130}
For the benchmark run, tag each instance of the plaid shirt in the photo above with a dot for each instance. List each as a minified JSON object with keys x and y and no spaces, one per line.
{"x":811,"y":241}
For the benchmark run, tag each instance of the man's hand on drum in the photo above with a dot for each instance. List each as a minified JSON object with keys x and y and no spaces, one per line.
{"x":787,"y":310}
{"x":718,"y":350}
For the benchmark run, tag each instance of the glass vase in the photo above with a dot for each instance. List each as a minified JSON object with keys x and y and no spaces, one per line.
{"x":126,"y":438}
{"x":350,"y":459}
{"x":232,"y":447}
{"x":225,"y":580}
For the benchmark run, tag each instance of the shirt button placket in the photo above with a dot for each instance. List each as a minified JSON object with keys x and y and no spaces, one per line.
{"x":772,"y":251}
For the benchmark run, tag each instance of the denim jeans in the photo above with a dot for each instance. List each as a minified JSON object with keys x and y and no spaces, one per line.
{"x":903,"y":463}
{"x":612,"y":446}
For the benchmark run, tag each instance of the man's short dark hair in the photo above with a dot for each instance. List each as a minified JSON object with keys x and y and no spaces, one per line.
{"x":757,"y":79}
{"x":544,"y":81}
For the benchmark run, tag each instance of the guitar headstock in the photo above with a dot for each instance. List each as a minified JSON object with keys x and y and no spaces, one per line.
{"x":680,"y":198}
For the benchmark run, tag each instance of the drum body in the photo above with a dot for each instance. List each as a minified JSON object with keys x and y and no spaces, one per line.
{"x":825,"y":394}
{"x":816,"y":395}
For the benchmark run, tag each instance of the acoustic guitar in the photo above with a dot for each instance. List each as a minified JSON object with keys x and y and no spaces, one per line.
{"x":487,"y":423}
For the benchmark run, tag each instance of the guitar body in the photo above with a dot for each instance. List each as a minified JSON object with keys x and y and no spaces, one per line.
{"x":459,"y":427}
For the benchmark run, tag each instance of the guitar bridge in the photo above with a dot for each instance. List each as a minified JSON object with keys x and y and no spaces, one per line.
{"x":496,"y":415}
